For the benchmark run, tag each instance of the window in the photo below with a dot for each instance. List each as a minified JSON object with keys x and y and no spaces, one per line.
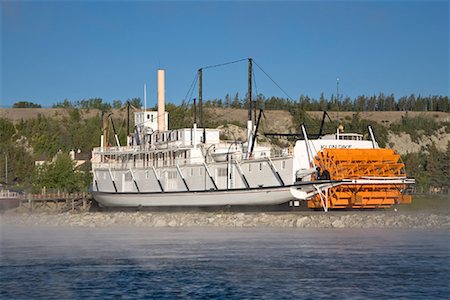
{"x":127,"y":176}
{"x":152,"y":118}
{"x":260,"y":166}
{"x":148,"y":117}
{"x":172,"y":175}
{"x":283,"y":164}
{"x":249,"y":167}
{"x":222,"y":172}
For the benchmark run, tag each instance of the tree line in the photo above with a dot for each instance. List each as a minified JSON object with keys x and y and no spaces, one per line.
{"x":43,"y":137}
{"x":380,"y":102}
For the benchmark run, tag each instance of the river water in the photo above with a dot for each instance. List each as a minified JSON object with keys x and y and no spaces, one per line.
{"x":236,"y":263}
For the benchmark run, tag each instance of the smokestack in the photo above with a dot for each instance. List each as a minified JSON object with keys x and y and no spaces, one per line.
{"x":161,"y":100}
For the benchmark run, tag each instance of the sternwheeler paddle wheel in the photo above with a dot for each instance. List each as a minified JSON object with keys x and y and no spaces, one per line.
{"x":375,"y":178}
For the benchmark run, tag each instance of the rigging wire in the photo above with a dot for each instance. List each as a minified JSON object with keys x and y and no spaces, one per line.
{"x":192,"y":91}
{"x":191,"y":88}
{"x":273,"y":81}
{"x":254,"y":83}
{"x":223,"y":64}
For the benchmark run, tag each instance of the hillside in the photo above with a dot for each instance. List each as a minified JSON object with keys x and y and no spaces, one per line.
{"x":30,"y":134}
{"x":278,"y":121}
{"x":230,"y":114}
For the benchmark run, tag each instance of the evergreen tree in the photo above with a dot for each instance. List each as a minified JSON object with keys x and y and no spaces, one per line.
{"x":26,"y":104}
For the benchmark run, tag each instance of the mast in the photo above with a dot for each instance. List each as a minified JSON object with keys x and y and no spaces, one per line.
{"x":250,"y":64}
{"x":194,"y":131}
{"x":337,"y":100}
{"x":145,"y":98}
{"x":195,"y":112}
{"x":103,"y":138}
{"x":249,"y":120}
{"x":200,"y":97}
{"x":128,"y":119}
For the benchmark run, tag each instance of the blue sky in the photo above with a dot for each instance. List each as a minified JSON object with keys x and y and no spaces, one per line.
{"x":51,"y":51}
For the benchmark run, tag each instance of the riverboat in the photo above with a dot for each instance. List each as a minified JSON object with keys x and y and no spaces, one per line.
{"x":162,"y":167}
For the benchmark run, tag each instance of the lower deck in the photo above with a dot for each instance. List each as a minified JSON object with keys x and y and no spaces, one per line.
{"x":196,"y":177}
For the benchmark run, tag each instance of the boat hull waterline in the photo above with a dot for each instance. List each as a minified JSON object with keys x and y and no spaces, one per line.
{"x":252,"y":196}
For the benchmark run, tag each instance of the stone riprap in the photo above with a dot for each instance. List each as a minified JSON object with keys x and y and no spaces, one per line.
{"x":360,"y":219}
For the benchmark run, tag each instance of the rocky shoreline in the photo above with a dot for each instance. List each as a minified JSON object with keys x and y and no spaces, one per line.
{"x":357,"y":219}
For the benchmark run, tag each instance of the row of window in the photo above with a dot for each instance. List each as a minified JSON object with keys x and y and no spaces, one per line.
{"x":283,"y":166}
{"x":166,"y":136}
{"x":221,"y":172}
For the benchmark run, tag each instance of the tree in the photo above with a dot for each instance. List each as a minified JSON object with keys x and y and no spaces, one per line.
{"x":236,"y":103}
{"x":59,"y":175}
{"x":26,"y":104}
{"x":381,"y":102}
{"x":65,"y":104}
{"x":7,"y":130}
{"x":227,"y":100}
{"x":390,"y":103}
{"x":360,"y":103}
{"x":372,"y":104}
{"x":322,"y":102}
{"x":135,"y":102}
{"x":117,"y":104}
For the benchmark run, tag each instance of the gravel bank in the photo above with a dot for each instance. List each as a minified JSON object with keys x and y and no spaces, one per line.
{"x":361,"y":219}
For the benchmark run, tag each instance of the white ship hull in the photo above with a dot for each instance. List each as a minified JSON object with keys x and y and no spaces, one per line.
{"x":264,"y":196}
{"x":236,"y":197}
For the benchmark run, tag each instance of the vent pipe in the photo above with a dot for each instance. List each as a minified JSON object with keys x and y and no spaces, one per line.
{"x":161,"y":100}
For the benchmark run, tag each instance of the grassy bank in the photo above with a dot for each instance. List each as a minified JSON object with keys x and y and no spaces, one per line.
{"x":435,"y":203}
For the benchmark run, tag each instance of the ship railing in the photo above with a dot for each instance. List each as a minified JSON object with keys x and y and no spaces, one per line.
{"x":121,"y":150}
{"x":140,"y":163}
{"x":9,"y":194}
{"x":122,"y":160}
{"x":284,"y":152}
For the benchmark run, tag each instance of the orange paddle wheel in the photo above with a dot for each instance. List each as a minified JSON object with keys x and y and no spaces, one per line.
{"x":361,"y":165}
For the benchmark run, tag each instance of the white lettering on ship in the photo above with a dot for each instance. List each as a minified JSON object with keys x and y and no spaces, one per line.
{"x":336,"y":146}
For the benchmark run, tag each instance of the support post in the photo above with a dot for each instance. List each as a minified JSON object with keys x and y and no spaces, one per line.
{"x":275,"y":171}
{"x":372,"y":137}
{"x":134,"y":180}
{"x":157,"y":178}
{"x":112,"y":179}
{"x":210,"y":176}
{"x":115,"y":133}
{"x":95,"y":180}
{"x":308,"y":148}
{"x":256,"y":131}
{"x":323,"y":201}
{"x":244,"y":179}
{"x":182,"y":178}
